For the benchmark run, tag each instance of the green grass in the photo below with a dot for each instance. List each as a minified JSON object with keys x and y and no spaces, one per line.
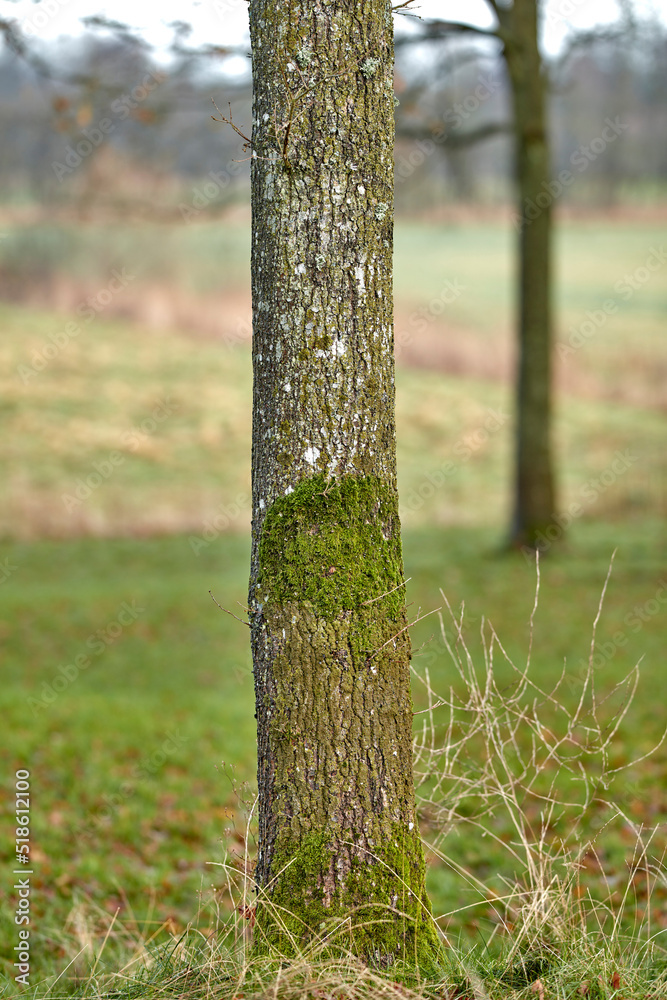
{"x":591,"y":257}
{"x":120,"y":824}
{"x":181,"y":669}
{"x":97,"y":397}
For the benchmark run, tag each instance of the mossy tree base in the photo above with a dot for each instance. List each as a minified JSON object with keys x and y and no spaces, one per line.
{"x":338,"y":831}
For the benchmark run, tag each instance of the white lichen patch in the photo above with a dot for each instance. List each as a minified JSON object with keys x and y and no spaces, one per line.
{"x":369,"y":67}
{"x":304,"y":56}
{"x":311,"y":455}
{"x":359,"y":274}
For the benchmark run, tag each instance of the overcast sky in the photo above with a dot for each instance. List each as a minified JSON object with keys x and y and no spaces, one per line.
{"x":226,"y":21}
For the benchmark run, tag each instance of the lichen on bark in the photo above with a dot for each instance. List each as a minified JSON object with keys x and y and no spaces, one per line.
{"x":338,"y":839}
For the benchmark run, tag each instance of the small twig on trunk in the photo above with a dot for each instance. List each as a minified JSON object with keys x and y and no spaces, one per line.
{"x":409,"y":625}
{"x":400,"y":6}
{"x":229,"y":121}
{"x":229,"y":612}
{"x":374,"y":599}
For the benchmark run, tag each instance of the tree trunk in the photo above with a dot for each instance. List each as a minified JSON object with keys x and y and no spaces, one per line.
{"x":339,"y":845}
{"x":534,"y":499}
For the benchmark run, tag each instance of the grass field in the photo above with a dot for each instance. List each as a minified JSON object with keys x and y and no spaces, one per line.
{"x":174,"y":414}
{"x":130,"y":803}
{"x":131,"y":806}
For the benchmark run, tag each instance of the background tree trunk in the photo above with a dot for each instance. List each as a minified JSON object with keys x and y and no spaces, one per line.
{"x":338,"y":836}
{"x":534,"y":497}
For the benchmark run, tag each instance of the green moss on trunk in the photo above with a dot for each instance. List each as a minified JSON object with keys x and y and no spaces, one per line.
{"x":335,"y":544}
{"x":342,"y":848}
{"x":375,"y":913}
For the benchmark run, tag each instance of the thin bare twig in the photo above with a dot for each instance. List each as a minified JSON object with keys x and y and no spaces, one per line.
{"x":597,"y":617}
{"x":229,"y":612}
{"x":229,"y":121}
{"x":401,"y":6}
{"x":409,"y":625}
{"x":387,"y":592}
{"x":532,"y":614}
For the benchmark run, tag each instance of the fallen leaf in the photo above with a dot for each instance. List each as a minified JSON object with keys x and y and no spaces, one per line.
{"x":248,"y":913}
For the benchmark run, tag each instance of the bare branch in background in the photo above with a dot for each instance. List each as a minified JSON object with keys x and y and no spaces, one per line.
{"x":454,"y":140}
{"x":435,"y":30}
{"x":16,"y":43}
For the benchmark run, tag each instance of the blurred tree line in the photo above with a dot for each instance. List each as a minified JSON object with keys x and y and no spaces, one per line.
{"x":101,"y":122}
{"x":454,"y":93}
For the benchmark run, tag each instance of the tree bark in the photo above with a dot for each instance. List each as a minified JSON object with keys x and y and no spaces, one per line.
{"x":534,"y":491}
{"x":339,"y":846}
{"x":534,"y":506}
